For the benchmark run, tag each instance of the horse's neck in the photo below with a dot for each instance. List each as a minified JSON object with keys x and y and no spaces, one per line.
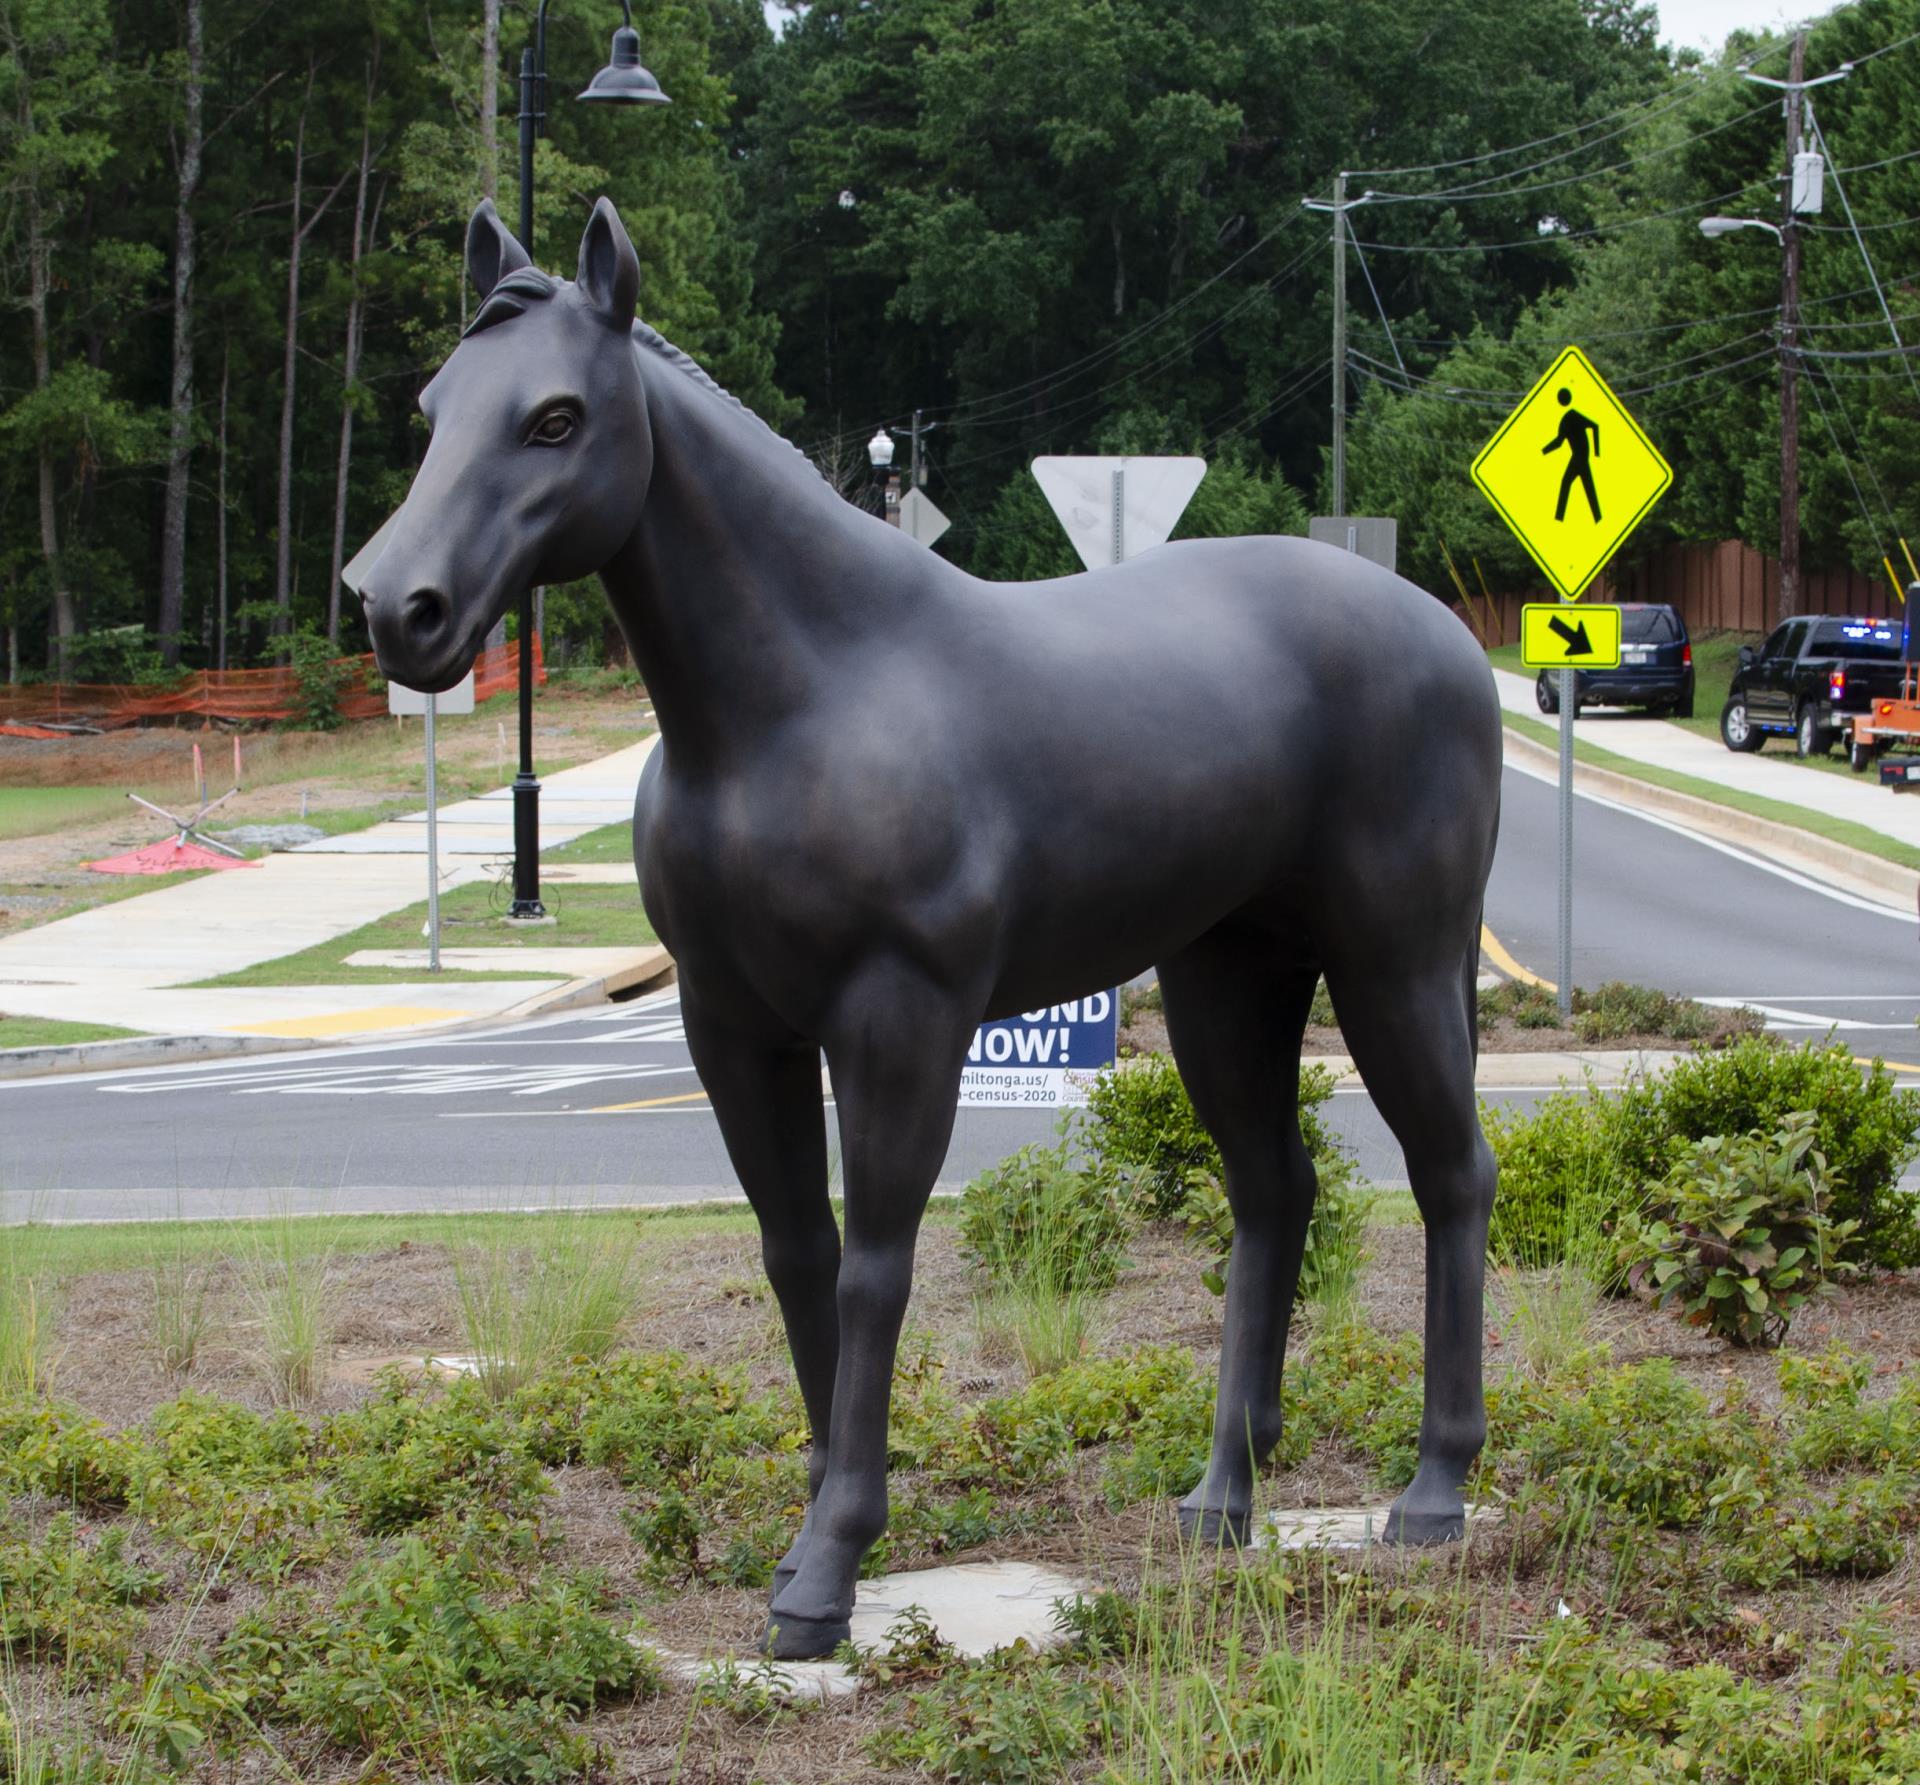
{"x":747,"y":573}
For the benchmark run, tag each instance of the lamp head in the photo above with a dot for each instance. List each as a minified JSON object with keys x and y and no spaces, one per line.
{"x":880,"y":450}
{"x":623,"y":81}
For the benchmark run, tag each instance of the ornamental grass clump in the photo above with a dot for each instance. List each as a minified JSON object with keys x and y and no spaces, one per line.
{"x":1739,"y":1233}
{"x":1047,"y":1228}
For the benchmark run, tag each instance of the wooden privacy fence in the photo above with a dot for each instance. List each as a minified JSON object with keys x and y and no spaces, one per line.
{"x":1727,"y":587}
{"x":240,"y":696}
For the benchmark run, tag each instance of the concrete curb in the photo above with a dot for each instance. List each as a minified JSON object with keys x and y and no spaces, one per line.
{"x":191,"y":1050}
{"x":1839,"y":863}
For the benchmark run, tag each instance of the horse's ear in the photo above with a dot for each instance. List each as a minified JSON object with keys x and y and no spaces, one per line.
{"x":492,"y":252}
{"x":609,"y":269}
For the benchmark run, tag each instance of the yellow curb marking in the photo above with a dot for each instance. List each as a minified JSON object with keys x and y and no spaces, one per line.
{"x":614,"y":1109}
{"x":1892,"y":1065}
{"x":1490,"y":944}
{"x":351,"y":1022}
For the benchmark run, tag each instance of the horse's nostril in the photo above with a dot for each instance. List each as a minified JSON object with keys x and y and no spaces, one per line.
{"x":427,"y":613}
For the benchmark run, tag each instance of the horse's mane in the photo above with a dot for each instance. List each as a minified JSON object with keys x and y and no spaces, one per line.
{"x":511,"y":295}
{"x":681,"y":361}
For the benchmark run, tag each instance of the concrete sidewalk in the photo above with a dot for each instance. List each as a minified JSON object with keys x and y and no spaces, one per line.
{"x":125,"y":963}
{"x":1767,"y":775}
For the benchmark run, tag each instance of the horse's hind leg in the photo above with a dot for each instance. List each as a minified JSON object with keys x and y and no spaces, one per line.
{"x":1414,"y":1038}
{"x":1235,"y":1017}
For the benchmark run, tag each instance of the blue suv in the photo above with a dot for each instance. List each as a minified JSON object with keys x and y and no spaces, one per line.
{"x":1656,"y":667}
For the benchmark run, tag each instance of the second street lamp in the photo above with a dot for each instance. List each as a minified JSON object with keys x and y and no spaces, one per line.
{"x":880,"y":456}
{"x":622,"y":82}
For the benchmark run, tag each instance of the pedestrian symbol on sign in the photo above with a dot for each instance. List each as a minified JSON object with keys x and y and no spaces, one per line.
{"x":1574,"y":428}
{"x":1544,"y":468}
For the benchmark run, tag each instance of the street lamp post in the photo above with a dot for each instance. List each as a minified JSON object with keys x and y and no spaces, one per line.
{"x":622,"y":82}
{"x":880,"y":456}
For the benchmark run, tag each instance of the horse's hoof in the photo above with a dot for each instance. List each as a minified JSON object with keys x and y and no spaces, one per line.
{"x":1210,"y":1525}
{"x":1416,"y":1529}
{"x":789,"y":1638}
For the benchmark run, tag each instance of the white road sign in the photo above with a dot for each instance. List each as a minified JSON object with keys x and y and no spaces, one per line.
{"x":1117,"y":508}
{"x":457,"y":699}
{"x":919,"y":519}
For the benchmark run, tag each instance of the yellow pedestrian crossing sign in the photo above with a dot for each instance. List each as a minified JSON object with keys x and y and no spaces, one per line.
{"x":1553,"y":638}
{"x":1571,"y":473}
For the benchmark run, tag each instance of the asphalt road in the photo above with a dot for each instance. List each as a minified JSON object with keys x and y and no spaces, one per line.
{"x":605,"y":1107}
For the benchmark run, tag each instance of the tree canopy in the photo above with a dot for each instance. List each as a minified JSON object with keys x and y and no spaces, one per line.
{"x":233,"y":237}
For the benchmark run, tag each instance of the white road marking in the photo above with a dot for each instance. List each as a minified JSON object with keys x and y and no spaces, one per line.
{"x":397,"y":1079}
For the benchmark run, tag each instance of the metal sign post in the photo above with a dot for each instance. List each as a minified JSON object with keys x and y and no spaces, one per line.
{"x":433,"y":844}
{"x":457,"y":699}
{"x":1572,"y":473}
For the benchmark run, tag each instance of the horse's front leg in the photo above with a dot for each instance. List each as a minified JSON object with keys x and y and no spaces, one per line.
{"x":765,"y":1090}
{"x":895,"y":1047}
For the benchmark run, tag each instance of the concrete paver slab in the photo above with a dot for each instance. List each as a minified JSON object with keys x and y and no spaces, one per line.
{"x":396,"y":837}
{"x":976,"y":1607}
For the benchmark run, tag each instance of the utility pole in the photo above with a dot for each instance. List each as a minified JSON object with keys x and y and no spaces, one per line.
{"x":1339,"y":344}
{"x":1340,"y":206}
{"x":1792,"y":203}
{"x":1789,"y":603}
{"x":919,"y":468}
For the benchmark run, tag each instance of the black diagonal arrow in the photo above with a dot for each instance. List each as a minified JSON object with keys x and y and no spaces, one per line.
{"x":1578,"y":644}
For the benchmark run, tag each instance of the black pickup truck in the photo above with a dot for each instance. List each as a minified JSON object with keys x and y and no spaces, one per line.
{"x":1809,"y":677}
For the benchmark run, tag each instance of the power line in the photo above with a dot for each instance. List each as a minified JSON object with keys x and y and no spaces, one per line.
{"x":1469,"y":194}
{"x":1554,"y":237}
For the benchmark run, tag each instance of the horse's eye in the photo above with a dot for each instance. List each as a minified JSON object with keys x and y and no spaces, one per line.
{"x":552,"y":428}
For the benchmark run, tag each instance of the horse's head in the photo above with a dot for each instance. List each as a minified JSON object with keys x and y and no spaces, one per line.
{"x":540,"y":456}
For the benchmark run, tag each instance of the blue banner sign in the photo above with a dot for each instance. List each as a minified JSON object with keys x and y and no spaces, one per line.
{"x":1041,"y":1058}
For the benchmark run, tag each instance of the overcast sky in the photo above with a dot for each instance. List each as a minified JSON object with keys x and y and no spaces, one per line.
{"x":1698,"y":24}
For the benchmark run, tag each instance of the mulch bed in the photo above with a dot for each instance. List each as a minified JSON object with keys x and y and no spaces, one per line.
{"x":704,"y":1296}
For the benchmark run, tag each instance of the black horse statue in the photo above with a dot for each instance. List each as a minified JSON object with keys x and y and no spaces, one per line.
{"x":891,"y":801}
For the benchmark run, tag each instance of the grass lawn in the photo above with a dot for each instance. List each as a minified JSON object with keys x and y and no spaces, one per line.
{"x":42,"y":1031}
{"x":30,"y":811}
{"x":1806,"y":818}
{"x":471,"y":916}
{"x":610,"y":843}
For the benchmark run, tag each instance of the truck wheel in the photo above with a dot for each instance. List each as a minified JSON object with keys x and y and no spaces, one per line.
{"x":1859,"y":757}
{"x":1545,"y":696}
{"x":1810,"y":737}
{"x":1737,"y":731}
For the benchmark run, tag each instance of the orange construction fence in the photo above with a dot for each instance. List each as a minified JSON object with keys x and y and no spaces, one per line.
{"x":242,"y":696}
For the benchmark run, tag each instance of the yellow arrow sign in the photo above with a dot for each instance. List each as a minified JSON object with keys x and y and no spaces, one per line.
{"x":1571,"y":473}
{"x":1553,"y":636}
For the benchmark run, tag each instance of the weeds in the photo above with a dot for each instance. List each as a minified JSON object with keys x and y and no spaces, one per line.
{"x":179,"y":1316}
{"x":291,"y":1288}
{"x":29,"y":1301}
{"x":532,"y":1301}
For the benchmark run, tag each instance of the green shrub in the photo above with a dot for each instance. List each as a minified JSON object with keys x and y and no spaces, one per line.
{"x":1008,"y":1720}
{"x":320,"y":676}
{"x":71,"y":1601}
{"x":1336,"y":1248}
{"x":1140,"y":1116}
{"x":1739,"y":1233}
{"x":1867,"y":1129}
{"x":1529,"y":1006}
{"x":426,"y":1659}
{"x":1563,"y":1173}
{"x":1046,"y":1221}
